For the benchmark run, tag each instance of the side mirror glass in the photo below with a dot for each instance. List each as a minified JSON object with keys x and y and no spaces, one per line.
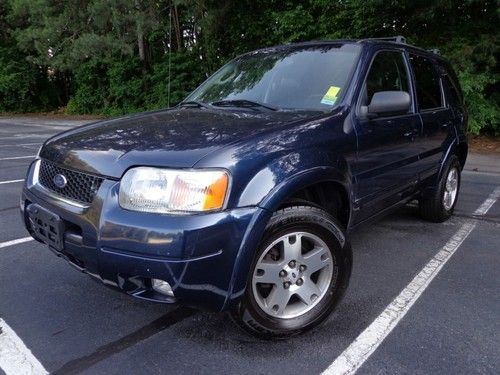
{"x":389,"y":102}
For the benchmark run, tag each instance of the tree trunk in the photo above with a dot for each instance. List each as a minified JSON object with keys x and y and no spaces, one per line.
{"x":140,"y":44}
{"x":140,"y":33}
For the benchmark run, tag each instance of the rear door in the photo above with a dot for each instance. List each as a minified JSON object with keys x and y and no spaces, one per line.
{"x":436,"y":115}
{"x":454,"y":98}
{"x":387,"y":146}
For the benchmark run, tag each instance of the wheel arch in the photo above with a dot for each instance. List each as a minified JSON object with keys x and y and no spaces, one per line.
{"x":283,"y":193}
{"x":329,"y":195}
{"x":323,"y":187}
{"x":461,"y":150}
{"x":458,"y":149}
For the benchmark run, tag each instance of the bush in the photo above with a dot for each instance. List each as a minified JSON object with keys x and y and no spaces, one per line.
{"x":476,"y":65}
{"x":24,"y":87}
{"x":115,"y":87}
{"x":90,"y":84}
{"x":185,"y":75}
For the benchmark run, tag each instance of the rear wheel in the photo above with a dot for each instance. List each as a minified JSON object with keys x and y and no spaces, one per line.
{"x":299,"y":274}
{"x":438,"y":206}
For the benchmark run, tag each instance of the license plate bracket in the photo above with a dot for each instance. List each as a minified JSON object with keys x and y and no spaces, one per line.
{"x":46,"y":226}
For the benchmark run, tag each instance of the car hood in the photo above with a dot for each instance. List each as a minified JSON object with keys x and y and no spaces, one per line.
{"x":175,"y":138}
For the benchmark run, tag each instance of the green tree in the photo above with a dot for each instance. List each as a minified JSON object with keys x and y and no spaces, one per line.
{"x":117,"y":56}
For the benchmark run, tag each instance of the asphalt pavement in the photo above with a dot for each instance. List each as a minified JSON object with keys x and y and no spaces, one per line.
{"x":70,"y":323}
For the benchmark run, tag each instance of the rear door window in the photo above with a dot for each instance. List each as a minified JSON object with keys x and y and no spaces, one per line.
{"x":427,"y":83}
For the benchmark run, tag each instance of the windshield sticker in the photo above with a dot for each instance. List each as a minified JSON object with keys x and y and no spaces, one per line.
{"x":331,"y":95}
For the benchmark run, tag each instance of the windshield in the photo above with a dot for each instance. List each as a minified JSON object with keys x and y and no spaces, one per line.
{"x":306,"y":77}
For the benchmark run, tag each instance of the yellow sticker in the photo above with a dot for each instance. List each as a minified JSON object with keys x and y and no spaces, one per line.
{"x":331,"y":95}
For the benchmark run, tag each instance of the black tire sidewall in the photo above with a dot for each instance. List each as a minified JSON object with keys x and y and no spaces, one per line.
{"x":319,"y":223}
{"x":452,"y":163}
{"x":431,"y":205}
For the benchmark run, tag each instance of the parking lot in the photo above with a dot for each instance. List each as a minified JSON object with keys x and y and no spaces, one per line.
{"x":423,"y":298}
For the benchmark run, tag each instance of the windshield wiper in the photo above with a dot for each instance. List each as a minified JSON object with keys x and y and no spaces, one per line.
{"x":194,"y":103}
{"x":242,"y":103}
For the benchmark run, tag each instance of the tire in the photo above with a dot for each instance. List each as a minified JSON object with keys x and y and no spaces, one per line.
{"x":323,"y":258}
{"x":439,"y":205}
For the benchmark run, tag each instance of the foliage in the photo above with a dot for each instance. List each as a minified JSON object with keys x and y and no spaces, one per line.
{"x":23,"y":86}
{"x":119,"y":56}
{"x":117,"y":86}
{"x":477,"y":68}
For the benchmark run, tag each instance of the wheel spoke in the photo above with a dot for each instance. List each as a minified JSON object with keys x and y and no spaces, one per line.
{"x":278,"y":299}
{"x":308,"y":292}
{"x":292,"y":247}
{"x":316,"y":259}
{"x":268,"y":272}
{"x":281,"y":280}
{"x":454,"y":184}
{"x":451,"y":188}
{"x":452,"y":180}
{"x":448,"y":197}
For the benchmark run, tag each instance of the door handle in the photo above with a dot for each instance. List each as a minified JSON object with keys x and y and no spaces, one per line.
{"x":411,"y":133}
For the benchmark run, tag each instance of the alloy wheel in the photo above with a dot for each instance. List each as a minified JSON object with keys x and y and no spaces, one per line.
{"x":292,"y":275}
{"x":450,"y":189}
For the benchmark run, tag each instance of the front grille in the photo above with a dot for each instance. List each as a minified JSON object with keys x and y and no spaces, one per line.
{"x":80,"y":187}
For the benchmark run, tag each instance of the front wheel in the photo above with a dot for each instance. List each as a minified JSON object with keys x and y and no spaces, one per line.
{"x":300,"y":271}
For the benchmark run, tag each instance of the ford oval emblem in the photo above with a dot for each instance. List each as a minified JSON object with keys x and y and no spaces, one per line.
{"x":60,"y":180}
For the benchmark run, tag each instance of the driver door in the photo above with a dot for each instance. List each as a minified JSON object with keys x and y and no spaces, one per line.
{"x":388,"y":148}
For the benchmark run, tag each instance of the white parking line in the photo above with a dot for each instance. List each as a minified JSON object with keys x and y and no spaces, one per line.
{"x":45,"y":124}
{"x":483,"y":173}
{"x":20,"y":144}
{"x":15,"y":242}
{"x":370,"y":339}
{"x":20,"y":136}
{"x":10,"y":182}
{"x":27,"y":144}
{"x":490,"y":201}
{"x":15,"y":357}
{"x":19,"y":157}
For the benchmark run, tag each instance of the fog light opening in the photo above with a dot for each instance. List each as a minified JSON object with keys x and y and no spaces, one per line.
{"x":161,"y":286}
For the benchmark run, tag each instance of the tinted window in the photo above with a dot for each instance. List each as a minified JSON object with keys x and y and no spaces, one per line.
{"x":311,"y":77}
{"x":387,"y":73}
{"x":452,"y":77}
{"x":452,"y":94}
{"x":427,"y":83}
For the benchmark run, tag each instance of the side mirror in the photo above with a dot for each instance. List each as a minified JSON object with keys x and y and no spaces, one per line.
{"x":389,"y":102}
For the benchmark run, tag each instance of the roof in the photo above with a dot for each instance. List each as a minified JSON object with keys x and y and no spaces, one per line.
{"x":391,"y":41}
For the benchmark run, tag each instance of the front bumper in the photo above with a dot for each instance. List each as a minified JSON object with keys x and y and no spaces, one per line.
{"x":204,"y":257}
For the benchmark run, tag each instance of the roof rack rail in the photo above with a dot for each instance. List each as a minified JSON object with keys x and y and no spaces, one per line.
{"x":434,"y":51}
{"x":398,"y":39}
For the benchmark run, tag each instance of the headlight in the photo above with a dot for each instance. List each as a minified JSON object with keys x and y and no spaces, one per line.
{"x":159,"y":190}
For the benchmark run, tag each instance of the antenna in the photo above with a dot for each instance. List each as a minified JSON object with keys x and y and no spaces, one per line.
{"x":169,"y":53}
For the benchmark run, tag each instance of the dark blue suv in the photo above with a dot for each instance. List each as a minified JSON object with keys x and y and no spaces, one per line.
{"x":241,"y":198}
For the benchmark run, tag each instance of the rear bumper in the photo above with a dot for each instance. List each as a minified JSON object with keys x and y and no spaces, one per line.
{"x":205,"y":257}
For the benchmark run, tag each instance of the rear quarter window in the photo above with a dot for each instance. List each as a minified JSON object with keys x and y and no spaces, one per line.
{"x":452,"y":94}
{"x":427,"y":83}
{"x":452,"y":80}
